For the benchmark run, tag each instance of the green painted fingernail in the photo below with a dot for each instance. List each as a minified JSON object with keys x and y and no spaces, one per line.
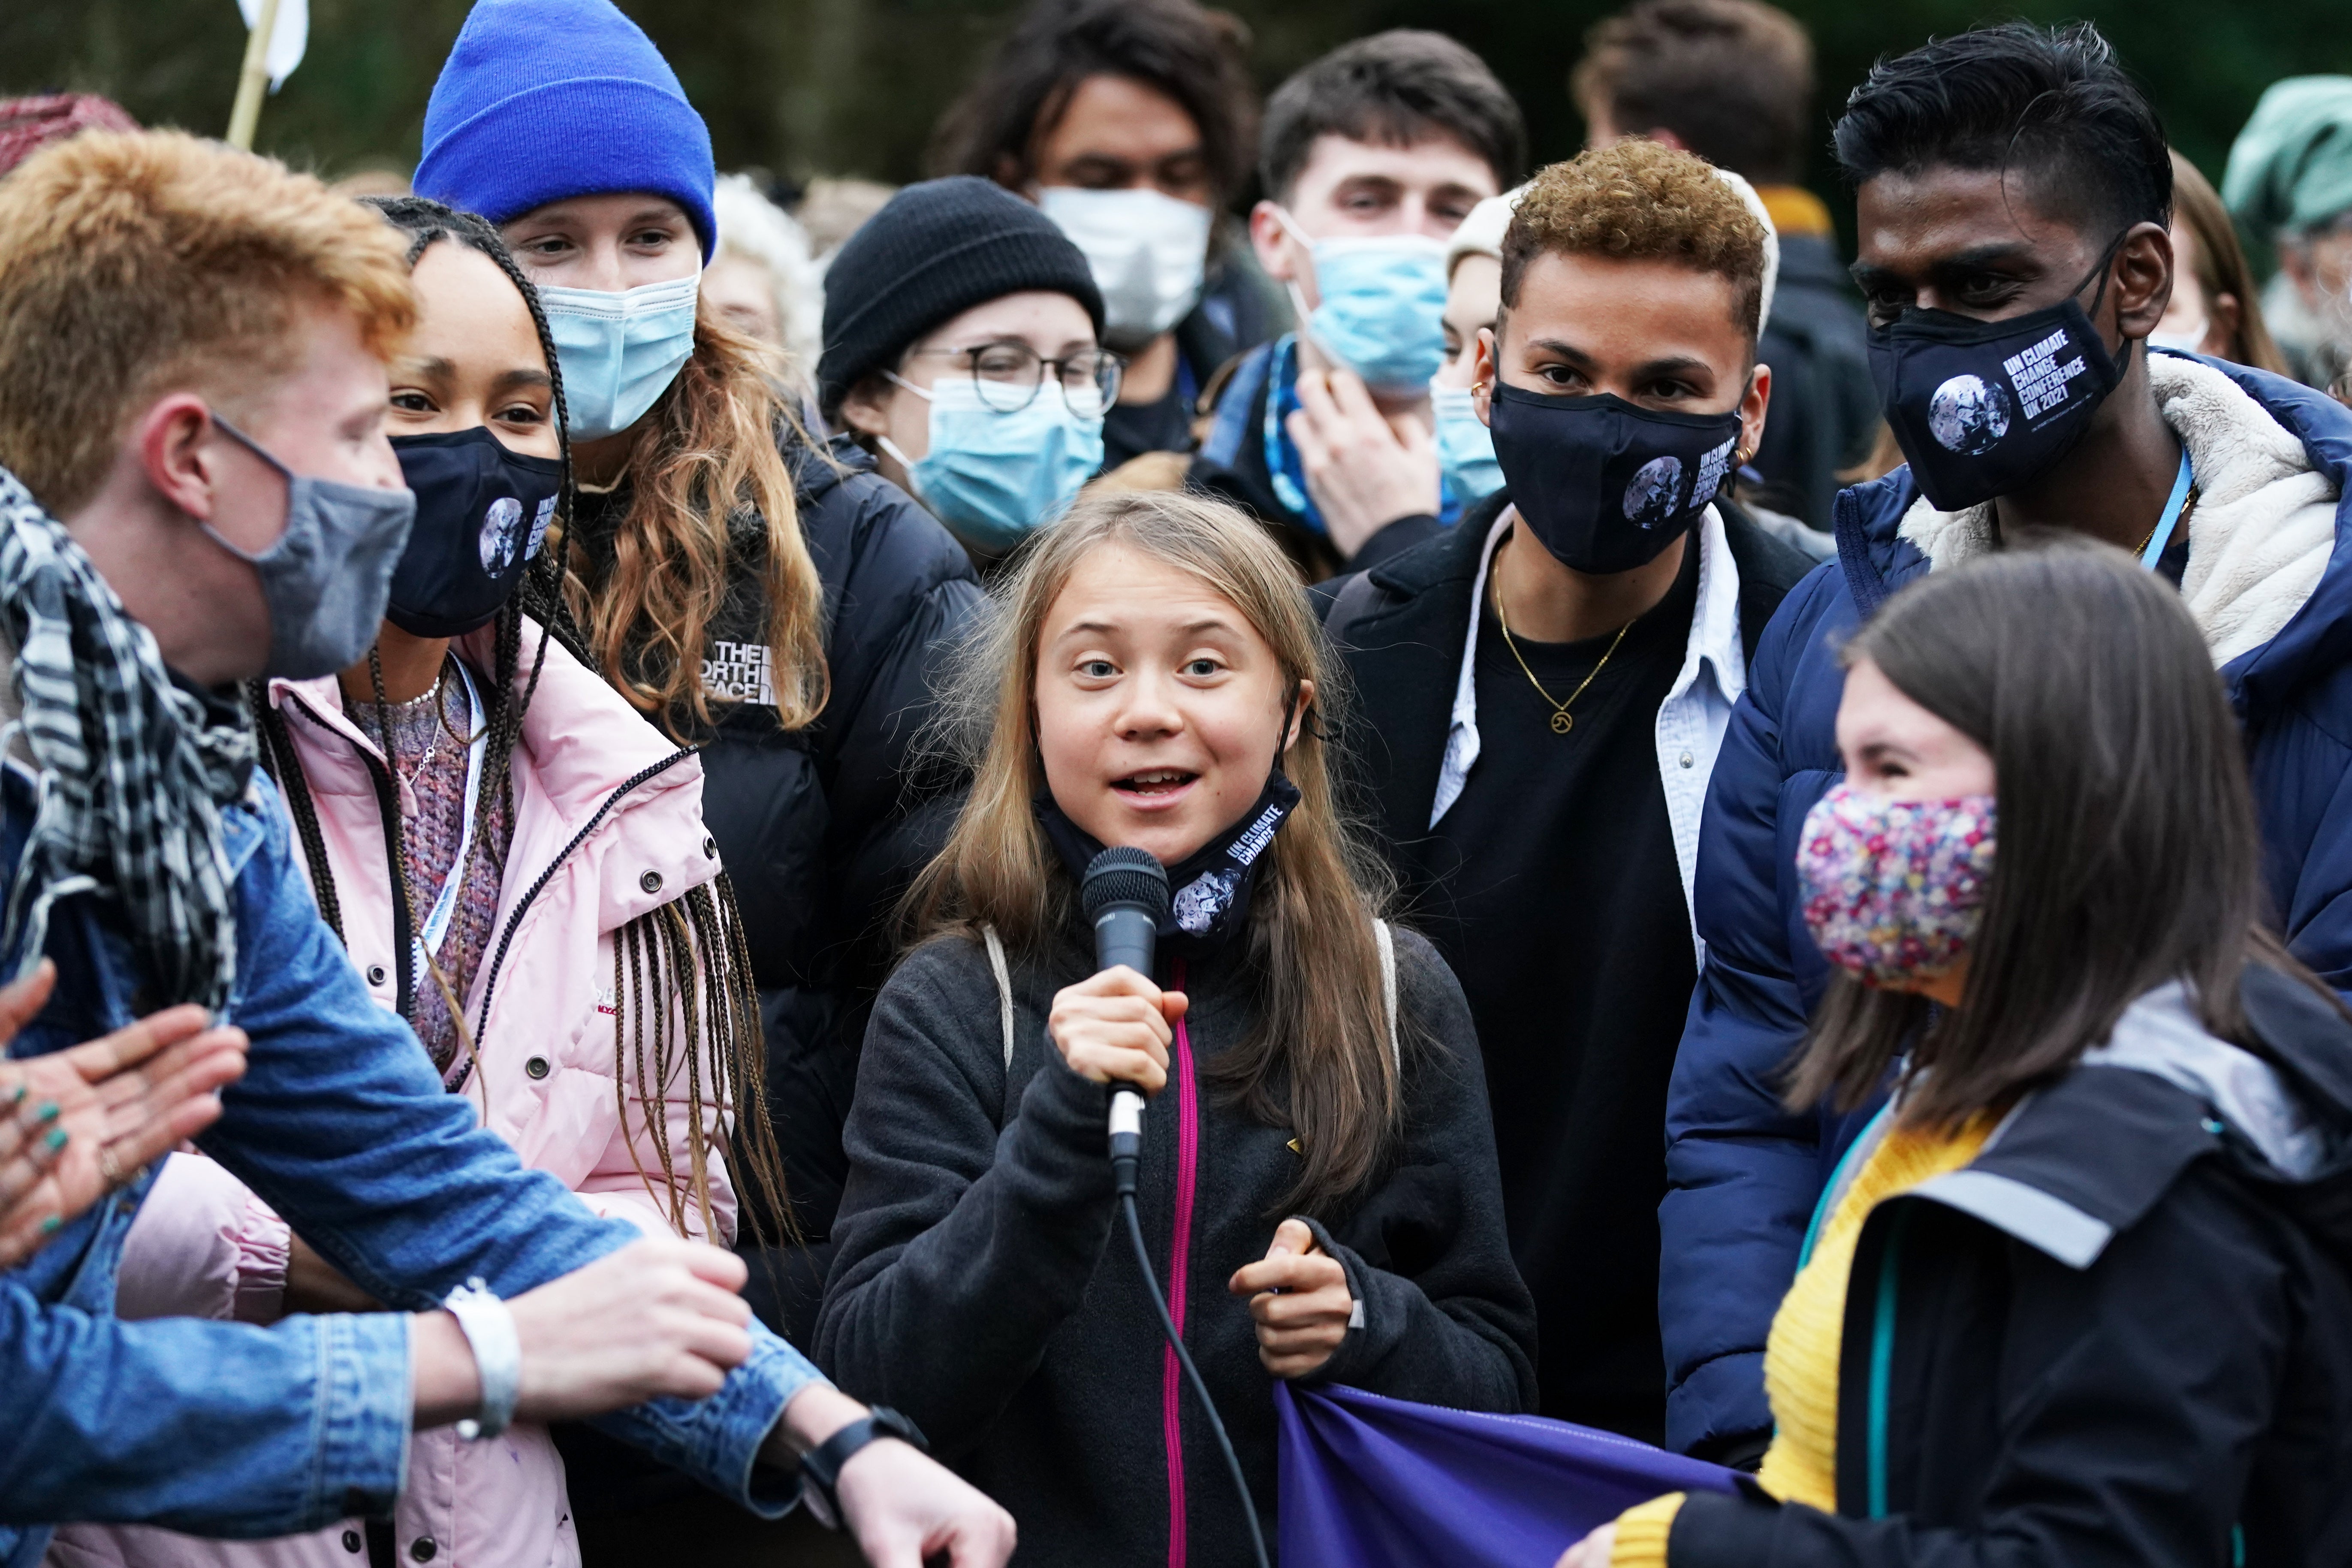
{"x":55,"y":1140}
{"x":51,"y":1225}
{"x":49,"y":1112}
{"x":18,"y":1098}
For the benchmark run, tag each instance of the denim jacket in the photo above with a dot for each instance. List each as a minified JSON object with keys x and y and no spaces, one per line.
{"x":226,"y":1429}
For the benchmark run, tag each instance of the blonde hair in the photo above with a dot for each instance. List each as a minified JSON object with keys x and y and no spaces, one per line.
{"x":137,"y":263}
{"x":1317,"y":1059}
{"x":708,"y":481}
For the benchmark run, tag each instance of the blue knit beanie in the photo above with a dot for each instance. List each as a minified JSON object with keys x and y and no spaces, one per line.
{"x":542,"y":101}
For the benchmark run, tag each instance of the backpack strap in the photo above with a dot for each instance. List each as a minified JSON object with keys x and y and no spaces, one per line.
{"x":1349,"y":605}
{"x":1387,"y":940}
{"x":1003,"y":988}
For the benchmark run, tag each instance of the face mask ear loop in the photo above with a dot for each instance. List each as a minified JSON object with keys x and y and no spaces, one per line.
{"x":1290,"y":285}
{"x":2105,"y":270}
{"x":1282,"y":739}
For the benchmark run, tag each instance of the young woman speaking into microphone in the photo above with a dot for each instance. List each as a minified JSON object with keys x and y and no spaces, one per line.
{"x":1318,"y":1193}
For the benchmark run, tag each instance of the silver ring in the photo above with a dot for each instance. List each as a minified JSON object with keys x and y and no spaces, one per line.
{"x":108,"y":1169}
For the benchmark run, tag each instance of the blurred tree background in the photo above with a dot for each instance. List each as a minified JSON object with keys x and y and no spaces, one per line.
{"x":852,"y":87}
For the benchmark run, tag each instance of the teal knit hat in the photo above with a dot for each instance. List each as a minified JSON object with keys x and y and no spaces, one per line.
{"x":2291,"y":167}
{"x":542,"y":101}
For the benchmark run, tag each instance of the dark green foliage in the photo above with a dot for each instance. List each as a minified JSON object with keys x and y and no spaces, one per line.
{"x":845,"y":87}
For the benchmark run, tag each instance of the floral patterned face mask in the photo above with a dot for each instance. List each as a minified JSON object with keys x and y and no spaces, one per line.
{"x":1893,"y":888}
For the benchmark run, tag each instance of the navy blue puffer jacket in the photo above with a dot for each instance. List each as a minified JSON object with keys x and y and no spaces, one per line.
{"x":1743,"y":1172}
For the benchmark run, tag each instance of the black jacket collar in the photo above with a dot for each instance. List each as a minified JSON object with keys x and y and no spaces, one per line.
{"x":1400,"y":627}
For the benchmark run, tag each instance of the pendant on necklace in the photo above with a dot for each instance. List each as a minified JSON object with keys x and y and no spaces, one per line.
{"x":1562,"y":723}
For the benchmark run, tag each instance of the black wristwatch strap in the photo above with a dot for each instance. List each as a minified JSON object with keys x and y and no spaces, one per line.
{"x":821,"y":1466}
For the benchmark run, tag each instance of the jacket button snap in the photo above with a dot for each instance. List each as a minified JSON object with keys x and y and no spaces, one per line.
{"x":423,"y":1549}
{"x":375,"y":974}
{"x":1688,"y":760}
{"x":536,"y":1067}
{"x":709,"y":848}
{"x":351,"y":1540}
{"x":650,"y":882}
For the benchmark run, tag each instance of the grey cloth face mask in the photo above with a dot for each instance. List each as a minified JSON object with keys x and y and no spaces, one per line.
{"x":328,"y":576}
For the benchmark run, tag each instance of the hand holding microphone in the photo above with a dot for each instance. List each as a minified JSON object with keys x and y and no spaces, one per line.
{"x":1114,"y":1027}
{"x":1119,"y":1023}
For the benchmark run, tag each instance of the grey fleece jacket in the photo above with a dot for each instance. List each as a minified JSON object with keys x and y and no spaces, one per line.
{"x":982,"y":1288}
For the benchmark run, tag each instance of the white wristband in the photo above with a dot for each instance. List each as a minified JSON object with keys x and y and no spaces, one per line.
{"x":489,"y":1329}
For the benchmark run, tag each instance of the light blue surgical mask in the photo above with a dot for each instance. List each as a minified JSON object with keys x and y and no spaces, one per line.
{"x":1466,"y":448}
{"x":993,"y":478}
{"x":1384,"y":306}
{"x":618,"y":352}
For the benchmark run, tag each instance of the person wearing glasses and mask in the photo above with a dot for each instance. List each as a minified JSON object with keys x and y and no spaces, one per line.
{"x":962,"y":348}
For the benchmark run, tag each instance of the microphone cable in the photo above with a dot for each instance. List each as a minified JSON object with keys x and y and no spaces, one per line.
{"x":1123,"y":1177}
{"x":1125,"y":895}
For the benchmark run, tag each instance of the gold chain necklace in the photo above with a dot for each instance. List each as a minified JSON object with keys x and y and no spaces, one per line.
{"x":2188,"y":505}
{"x":1563,"y":720}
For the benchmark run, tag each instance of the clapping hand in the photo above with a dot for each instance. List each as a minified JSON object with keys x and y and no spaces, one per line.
{"x":77,"y":1123}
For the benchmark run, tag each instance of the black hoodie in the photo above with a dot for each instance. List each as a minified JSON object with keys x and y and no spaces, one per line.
{"x":2119,"y":1337}
{"x":981,"y":1287}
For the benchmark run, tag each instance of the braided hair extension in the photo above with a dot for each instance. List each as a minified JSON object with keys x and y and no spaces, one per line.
{"x":693,"y":948}
{"x":715,"y":996}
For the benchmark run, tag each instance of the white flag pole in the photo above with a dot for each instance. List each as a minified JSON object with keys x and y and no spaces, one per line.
{"x":254,"y":78}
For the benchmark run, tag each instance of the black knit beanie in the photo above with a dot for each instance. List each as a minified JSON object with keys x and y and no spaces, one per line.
{"x":934,"y":251}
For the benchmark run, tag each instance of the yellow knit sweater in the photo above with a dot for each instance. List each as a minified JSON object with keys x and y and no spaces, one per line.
{"x":1800,"y":1357}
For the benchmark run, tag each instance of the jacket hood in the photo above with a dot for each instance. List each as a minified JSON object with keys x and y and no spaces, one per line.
{"x":2159,"y":1094}
{"x":2269,"y":570}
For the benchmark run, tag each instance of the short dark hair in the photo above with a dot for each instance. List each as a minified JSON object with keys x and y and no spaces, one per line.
{"x":2053,"y":102}
{"x":2127,"y":853}
{"x":1197,"y":57}
{"x":1396,"y":88}
{"x":1733,"y":80}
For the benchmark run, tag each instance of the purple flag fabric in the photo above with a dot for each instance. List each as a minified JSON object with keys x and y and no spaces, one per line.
{"x":1373,"y":1482}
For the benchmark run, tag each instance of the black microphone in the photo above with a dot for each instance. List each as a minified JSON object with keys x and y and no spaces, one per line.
{"x":1125,"y":896}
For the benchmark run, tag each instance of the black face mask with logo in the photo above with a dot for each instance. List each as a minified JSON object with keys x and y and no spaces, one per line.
{"x":481,"y":512}
{"x":1984,"y":408}
{"x":1211,"y":885}
{"x":1606,"y":484}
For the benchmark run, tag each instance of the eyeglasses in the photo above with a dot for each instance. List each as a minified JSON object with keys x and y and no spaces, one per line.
{"x":1010,"y":374}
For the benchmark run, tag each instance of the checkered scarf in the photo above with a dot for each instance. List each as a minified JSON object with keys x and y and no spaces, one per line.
{"x":132,"y":774}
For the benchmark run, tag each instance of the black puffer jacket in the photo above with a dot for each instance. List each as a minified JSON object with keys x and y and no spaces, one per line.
{"x":980,"y":1285}
{"x":2119,"y":1338}
{"x":820,"y":828}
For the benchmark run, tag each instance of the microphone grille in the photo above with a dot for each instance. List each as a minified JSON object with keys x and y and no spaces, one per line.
{"x":1124,"y":875}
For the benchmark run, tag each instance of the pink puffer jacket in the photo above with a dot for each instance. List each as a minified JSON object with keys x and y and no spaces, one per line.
{"x":608,"y":825}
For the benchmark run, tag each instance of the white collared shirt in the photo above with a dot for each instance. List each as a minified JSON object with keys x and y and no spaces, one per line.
{"x":1691,"y":720}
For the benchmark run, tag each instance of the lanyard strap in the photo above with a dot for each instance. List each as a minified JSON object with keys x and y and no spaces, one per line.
{"x":2171,"y":518}
{"x":444,"y":904}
